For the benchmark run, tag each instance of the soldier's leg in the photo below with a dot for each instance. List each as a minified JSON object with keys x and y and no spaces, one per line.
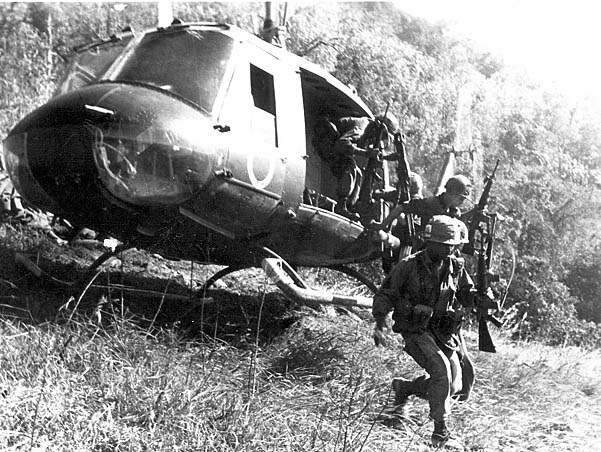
{"x":357,"y":179}
{"x":467,"y":373}
{"x":344,"y":184}
{"x":344,"y":190}
{"x":437,"y":388}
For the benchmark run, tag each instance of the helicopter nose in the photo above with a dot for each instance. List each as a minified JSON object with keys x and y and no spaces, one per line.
{"x":143,"y":146}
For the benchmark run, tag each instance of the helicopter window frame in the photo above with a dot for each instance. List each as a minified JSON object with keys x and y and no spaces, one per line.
{"x":263,"y":99}
{"x":223,"y":76}
{"x":262,"y":89}
{"x":78,"y":74}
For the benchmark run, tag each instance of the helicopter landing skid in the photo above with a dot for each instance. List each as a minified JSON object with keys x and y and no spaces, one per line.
{"x":355,"y":274}
{"x":106,"y":256}
{"x":287,"y":280}
{"x":220,"y":274}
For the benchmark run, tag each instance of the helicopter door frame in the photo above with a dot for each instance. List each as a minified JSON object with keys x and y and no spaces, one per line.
{"x":226,"y":84}
{"x":264,"y":106}
{"x":289,"y":116}
{"x":255,"y":183}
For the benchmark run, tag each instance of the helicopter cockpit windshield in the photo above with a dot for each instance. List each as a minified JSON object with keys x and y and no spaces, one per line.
{"x":190,"y":63}
{"x":151,"y":163}
{"x":91,"y":61}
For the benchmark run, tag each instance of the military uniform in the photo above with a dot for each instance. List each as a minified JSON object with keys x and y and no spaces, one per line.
{"x":423,"y":210}
{"x":458,"y":188}
{"x":351,"y":136}
{"x":428,"y":299}
{"x":439,"y":346}
{"x":352,"y":141}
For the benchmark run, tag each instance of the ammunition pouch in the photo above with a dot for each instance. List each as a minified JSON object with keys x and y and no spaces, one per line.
{"x":449,"y":323}
{"x":412,"y":319}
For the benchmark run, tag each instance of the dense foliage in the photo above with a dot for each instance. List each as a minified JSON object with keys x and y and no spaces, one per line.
{"x":445,"y":93}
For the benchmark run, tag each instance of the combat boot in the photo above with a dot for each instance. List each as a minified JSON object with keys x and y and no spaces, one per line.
{"x":442,"y":438}
{"x":441,"y":434}
{"x":392,"y":415}
{"x":402,"y":390}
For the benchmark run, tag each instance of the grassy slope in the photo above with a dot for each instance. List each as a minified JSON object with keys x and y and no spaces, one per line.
{"x":314,"y":382}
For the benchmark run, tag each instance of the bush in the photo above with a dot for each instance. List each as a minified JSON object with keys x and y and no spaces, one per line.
{"x":541,"y":307}
{"x":584,"y":280}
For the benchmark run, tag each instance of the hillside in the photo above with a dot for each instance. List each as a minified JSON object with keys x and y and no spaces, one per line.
{"x":136,"y":362}
{"x":445,"y":93}
{"x":248,"y":372}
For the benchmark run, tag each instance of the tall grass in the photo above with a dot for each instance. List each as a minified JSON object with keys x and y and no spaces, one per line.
{"x":102,"y":379}
{"x":319,"y":386}
{"x":83,"y":387}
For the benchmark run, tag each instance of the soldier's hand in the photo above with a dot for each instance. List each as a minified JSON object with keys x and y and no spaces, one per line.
{"x":380,"y":336}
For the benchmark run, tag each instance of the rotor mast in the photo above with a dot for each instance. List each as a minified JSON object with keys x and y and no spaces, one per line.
{"x":272,"y":33}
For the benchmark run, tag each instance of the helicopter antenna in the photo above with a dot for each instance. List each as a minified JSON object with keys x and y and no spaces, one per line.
{"x":387,"y":108}
{"x":283,"y":21}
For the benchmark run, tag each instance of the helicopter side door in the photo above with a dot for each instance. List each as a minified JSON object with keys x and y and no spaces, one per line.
{"x":261,"y":115}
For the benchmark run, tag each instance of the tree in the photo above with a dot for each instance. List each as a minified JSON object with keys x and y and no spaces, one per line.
{"x":548,"y":183}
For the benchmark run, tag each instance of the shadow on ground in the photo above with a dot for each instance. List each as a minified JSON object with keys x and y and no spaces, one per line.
{"x":163,"y":299}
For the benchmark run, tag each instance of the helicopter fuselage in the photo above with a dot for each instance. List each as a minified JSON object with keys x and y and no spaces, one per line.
{"x":193,"y":141}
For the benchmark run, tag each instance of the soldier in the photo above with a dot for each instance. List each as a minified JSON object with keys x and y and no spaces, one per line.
{"x":399,"y":227}
{"x":349,"y":137}
{"x":429,"y":292}
{"x":457,"y":190}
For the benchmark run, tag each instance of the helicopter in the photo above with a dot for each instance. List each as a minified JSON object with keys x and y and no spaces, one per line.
{"x":195,"y":141}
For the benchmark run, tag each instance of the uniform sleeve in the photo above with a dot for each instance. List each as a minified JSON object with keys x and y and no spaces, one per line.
{"x":390,"y":293}
{"x":353,"y":129}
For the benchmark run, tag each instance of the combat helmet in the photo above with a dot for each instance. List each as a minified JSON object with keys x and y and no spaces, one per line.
{"x":459,"y":185}
{"x":446,"y":230}
{"x":390,"y":121}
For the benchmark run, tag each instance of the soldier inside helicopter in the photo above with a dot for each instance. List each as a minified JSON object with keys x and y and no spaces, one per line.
{"x":339,"y":140}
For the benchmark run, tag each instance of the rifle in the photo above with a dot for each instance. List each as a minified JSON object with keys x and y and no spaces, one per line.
{"x":478,"y":214}
{"x":483,"y":277}
{"x":398,"y":247}
{"x":403,"y":184}
{"x":488,"y":180}
{"x":481,"y":226}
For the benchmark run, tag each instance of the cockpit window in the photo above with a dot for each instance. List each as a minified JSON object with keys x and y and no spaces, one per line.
{"x":91,"y":61}
{"x":190,"y":63}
